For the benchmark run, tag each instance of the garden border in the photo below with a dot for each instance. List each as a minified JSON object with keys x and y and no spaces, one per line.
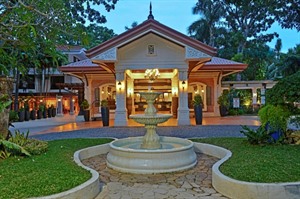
{"x":240,"y":189}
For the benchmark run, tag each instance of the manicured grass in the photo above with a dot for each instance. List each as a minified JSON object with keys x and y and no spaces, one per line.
{"x":253,"y":163}
{"x":49,"y":173}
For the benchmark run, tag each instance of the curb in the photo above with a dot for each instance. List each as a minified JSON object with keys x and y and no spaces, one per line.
{"x":245,"y":190}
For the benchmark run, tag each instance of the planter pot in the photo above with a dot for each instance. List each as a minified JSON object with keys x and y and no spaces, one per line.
{"x":53,"y":112}
{"x":49,"y":112}
{"x":198,"y":114}
{"x":45,"y":114}
{"x":39,"y":114}
{"x":105,"y":116}
{"x":275,"y":135}
{"x":21,"y":115}
{"x":27,"y":115}
{"x":33,"y":114}
{"x":86,"y":114}
{"x":223,"y":111}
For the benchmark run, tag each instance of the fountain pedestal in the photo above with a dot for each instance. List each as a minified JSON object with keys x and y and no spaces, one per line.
{"x":151,"y":139}
{"x":151,"y":153}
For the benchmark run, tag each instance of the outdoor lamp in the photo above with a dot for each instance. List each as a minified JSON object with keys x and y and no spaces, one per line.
{"x":183,"y":84}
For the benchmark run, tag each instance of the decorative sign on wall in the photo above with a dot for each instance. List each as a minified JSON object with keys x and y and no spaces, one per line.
{"x":236,"y":102}
{"x":151,"y":50}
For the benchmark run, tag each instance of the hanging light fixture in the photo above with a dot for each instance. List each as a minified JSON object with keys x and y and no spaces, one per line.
{"x":152,"y":74}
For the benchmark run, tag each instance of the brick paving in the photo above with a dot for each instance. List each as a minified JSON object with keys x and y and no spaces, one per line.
{"x":194,"y":183}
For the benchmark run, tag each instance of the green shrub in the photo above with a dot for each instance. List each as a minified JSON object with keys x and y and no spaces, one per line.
{"x":258,"y":136}
{"x":104,"y":103}
{"x":275,"y":117}
{"x":223,"y":100}
{"x":33,"y":146}
{"x":36,"y":147}
{"x":85,"y":104}
{"x":197,"y":100}
{"x":20,"y":144}
{"x":13,"y":116}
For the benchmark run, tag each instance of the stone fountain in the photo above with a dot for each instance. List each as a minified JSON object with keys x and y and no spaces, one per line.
{"x":151,"y":153}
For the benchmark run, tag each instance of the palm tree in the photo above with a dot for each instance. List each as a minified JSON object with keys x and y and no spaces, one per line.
{"x":206,"y":27}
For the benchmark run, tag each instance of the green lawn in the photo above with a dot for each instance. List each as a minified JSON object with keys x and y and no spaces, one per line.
{"x":52,"y":172}
{"x":55,"y":171}
{"x":253,"y":163}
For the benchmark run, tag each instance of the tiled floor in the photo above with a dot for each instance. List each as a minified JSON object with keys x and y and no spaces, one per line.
{"x":232,"y":120}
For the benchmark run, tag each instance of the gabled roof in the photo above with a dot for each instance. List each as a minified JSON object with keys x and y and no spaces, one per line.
{"x":151,"y":26}
{"x":220,"y":63}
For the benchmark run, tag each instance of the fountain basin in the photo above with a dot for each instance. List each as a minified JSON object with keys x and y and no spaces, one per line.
{"x":176,"y":154}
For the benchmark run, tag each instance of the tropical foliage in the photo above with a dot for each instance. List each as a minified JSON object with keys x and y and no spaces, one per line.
{"x":30,"y":27}
{"x":239,"y":29}
{"x":19,"y":144}
{"x":285,"y":91}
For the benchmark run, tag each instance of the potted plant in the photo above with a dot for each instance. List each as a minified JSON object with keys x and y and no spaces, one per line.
{"x":53,"y":110}
{"x":223,"y":101}
{"x":274,"y":119}
{"x":86,"y":112}
{"x":27,"y":113}
{"x":105,"y":112}
{"x":45,"y":112}
{"x":21,"y":114}
{"x":49,"y":111}
{"x":33,"y":113}
{"x":40,"y":111}
{"x":197,"y":102}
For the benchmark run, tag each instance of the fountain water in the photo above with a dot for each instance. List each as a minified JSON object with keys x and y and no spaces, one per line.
{"x":151,"y":153}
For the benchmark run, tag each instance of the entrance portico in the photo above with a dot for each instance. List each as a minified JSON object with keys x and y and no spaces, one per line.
{"x":186,"y":67}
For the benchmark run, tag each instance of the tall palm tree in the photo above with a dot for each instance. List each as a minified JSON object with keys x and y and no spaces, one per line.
{"x":205,"y":28}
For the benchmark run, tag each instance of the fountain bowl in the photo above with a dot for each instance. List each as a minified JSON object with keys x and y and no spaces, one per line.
{"x":150,"y":120}
{"x":176,"y":154}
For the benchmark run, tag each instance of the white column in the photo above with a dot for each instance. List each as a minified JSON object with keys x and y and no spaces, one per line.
{"x":59,"y":110}
{"x":88,"y":91}
{"x":254,"y":96}
{"x":130,"y":93}
{"x":71,"y":105}
{"x":121,"y":111}
{"x":175,"y":90}
{"x":183,"y":109}
{"x":217,"y":93}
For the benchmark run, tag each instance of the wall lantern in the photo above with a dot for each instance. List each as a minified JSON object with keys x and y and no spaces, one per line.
{"x":183,"y":85}
{"x":119,"y":85}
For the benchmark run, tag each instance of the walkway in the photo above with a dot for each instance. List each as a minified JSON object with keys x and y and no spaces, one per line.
{"x":67,"y":127}
{"x":194,"y":183}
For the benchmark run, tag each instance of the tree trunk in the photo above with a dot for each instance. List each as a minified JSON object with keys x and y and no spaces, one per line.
{"x":16,"y":101}
{"x":6,"y":86}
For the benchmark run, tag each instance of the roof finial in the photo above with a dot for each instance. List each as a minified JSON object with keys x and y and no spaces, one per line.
{"x":150,"y":13}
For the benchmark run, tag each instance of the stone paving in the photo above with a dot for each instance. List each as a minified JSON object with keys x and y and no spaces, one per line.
{"x":194,"y":183}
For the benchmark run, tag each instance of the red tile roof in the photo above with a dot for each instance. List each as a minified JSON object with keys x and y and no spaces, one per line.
{"x":220,"y":63}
